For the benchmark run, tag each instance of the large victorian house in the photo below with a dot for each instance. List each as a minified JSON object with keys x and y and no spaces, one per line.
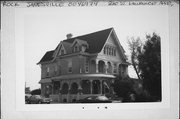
{"x":83,"y":66}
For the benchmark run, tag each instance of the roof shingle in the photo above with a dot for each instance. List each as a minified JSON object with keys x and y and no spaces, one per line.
{"x":95,"y":40}
{"x":47,"y":57}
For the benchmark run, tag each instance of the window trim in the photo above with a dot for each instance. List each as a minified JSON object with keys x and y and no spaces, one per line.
{"x":47,"y":71}
{"x":75,"y":48}
{"x":70,"y":71}
{"x":86,"y":66}
{"x":70,"y":66}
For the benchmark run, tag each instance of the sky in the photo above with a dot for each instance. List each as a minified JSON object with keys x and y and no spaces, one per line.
{"x":44,"y":28}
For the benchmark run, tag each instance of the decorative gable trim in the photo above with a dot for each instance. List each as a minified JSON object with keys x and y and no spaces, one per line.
{"x":60,"y":46}
{"x":78,"y":41}
{"x":94,"y":41}
{"x":116,"y":40}
{"x":120,"y":46}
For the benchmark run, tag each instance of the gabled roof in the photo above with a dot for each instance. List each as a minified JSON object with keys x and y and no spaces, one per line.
{"x":67,"y":47}
{"x":47,"y":57}
{"x":95,"y":40}
{"x":80,"y":42}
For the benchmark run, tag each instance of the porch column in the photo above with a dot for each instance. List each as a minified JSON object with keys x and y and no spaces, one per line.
{"x":42,"y":89}
{"x":91,"y":87}
{"x":67,"y":96}
{"x":53,"y":91}
{"x":105,"y":67}
{"x":79,"y":87}
{"x":60,"y":89}
{"x":97,"y":70}
{"x":101,"y":85}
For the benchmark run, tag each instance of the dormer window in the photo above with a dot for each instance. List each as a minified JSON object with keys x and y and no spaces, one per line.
{"x":75,"y":48}
{"x":62,"y":52}
{"x":79,"y":45}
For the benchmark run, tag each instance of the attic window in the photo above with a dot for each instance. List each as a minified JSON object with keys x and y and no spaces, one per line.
{"x":104,"y":50}
{"x":62,"y":52}
{"x":75,"y":49}
{"x":110,"y":50}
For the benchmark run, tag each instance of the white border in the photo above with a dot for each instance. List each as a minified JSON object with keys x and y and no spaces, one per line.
{"x":20,"y":78}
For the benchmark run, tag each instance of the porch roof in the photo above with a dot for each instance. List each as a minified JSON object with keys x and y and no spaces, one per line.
{"x":46,"y":80}
{"x":72,"y":76}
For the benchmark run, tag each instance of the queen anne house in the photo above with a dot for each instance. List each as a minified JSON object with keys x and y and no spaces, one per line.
{"x":83,"y":66}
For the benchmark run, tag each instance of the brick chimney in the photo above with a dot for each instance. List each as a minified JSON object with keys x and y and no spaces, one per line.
{"x":69,"y":35}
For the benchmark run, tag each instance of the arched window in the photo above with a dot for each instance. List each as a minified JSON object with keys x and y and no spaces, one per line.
{"x":74,"y":88}
{"x":75,"y":48}
{"x":101,"y":66}
{"x":56,"y":87}
{"x":109,"y":70}
{"x":65,"y":88}
{"x":86,"y":87}
{"x":64,"y":100}
{"x":96,"y":87}
{"x":62,"y":52}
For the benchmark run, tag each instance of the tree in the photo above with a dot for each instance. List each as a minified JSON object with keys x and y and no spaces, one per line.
{"x":149,"y":64}
{"x":135,"y":47}
{"x":123,"y":88}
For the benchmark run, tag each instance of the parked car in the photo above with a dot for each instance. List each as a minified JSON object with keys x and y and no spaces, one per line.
{"x":38,"y":99}
{"x":117,"y":100}
{"x":95,"y":99}
{"x":27,"y":96}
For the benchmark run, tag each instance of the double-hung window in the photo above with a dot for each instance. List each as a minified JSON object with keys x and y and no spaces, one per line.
{"x":115,"y":68}
{"x":55,"y":70}
{"x":70,"y":66}
{"x":47,"y":71}
{"x":86,"y":66}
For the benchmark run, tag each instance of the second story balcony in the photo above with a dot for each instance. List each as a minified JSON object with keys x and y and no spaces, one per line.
{"x":102,"y":67}
{"x":93,"y":66}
